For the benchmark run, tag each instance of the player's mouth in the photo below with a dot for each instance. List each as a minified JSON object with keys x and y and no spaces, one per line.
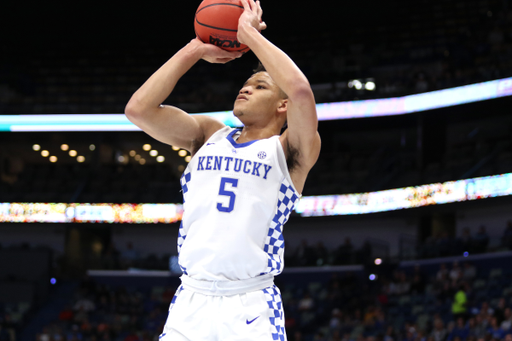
{"x":241,"y":97}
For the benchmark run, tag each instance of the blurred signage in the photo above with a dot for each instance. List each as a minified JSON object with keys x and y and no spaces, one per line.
{"x":327,"y":205}
{"x":408,"y":197}
{"x":90,"y":213}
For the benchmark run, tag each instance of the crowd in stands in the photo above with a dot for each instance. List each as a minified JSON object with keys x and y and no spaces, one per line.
{"x":98,"y":312}
{"x":7,"y":325}
{"x":456,"y":303}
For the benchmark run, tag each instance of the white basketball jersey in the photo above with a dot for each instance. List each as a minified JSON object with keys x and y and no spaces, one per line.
{"x":237,"y":197}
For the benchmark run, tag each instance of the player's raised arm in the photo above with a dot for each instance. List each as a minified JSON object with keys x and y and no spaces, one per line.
{"x":301,"y":141}
{"x":169,"y":124}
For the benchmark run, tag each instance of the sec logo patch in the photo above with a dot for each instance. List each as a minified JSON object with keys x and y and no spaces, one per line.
{"x":262,"y":155}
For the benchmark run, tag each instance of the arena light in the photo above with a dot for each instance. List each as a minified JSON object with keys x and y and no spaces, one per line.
{"x":45,"y":153}
{"x":356,"y":83}
{"x":370,"y":86}
{"x":80,"y":159}
{"x":53,"y":159}
{"x":175,"y":148}
{"x":146,"y":147}
{"x":92,"y":147}
{"x":73,"y":153}
{"x":160,"y":158}
{"x":133,"y":153}
{"x":326,"y":111}
{"x":153,"y":153}
{"x":188,"y":158}
{"x":182,"y":153}
{"x":64,"y":147}
{"x":142,"y":161}
{"x":378,"y":261}
{"x":36,"y":147}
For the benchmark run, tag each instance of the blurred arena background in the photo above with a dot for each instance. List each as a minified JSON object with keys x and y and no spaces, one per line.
{"x":387,"y":276}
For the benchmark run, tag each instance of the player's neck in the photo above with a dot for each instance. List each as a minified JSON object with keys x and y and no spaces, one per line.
{"x":251,"y":133}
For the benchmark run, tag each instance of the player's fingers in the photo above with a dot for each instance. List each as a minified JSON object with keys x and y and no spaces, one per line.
{"x":263,"y":26}
{"x":246,"y":5}
{"x":254,"y":8}
{"x":260,"y":10}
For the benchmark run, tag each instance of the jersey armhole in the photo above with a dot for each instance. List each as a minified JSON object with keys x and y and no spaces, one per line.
{"x":281,"y":160}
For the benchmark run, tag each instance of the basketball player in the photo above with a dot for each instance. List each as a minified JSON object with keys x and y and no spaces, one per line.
{"x":239,"y":188}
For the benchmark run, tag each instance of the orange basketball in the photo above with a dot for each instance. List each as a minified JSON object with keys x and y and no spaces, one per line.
{"x":216,"y":23}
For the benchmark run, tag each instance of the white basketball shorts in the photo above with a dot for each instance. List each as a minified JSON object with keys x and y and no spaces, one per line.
{"x":256,"y":315}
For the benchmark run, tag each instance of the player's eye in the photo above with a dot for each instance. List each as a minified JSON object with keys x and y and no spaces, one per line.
{"x":260,"y":87}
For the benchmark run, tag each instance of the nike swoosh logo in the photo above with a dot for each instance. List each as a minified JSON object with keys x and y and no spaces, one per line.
{"x":251,"y":321}
{"x":209,"y":144}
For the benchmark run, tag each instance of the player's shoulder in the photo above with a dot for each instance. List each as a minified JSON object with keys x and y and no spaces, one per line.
{"x":209,"y":125}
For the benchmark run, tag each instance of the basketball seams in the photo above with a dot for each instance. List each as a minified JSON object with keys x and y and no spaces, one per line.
{"x":199,"y":10}
{"x":215,"y":28}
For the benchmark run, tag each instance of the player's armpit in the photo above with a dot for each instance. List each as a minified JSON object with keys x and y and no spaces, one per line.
{"x":301,"y":156}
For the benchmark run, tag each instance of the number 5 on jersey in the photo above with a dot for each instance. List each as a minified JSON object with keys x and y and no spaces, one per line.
{"x":230,"y":194}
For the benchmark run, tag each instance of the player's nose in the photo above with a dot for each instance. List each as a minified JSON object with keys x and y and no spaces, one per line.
{"x":246,"y":90}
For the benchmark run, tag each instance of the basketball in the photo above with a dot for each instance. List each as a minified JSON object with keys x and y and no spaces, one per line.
{"x":216,"y":23}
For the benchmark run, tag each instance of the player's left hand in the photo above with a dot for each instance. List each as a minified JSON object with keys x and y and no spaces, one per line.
{"x":251,"y":16}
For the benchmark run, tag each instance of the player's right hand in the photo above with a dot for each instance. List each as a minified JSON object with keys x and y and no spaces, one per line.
{"x":214,"y":54}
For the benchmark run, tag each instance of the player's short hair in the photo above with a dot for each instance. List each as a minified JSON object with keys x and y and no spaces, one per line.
{"x":261,"y":68}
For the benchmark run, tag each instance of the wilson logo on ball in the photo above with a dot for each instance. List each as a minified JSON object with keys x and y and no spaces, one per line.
{"x":224,"y":43}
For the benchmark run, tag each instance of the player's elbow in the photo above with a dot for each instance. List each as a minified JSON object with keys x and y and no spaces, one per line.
{"x":133,"y":109}
{"x":302,"y":91}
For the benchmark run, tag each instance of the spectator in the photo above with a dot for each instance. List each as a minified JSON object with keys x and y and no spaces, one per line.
{"x":417,"y":285}
{"x":459,"y":305}
{"x":460,"y":330}
{"x":84,"y":304}
{"x":442,"y":273}
{"x":481,"y":240}
{"x":466,"y":240}
{"x":344,"y":253}
{"x":494,"y":330}
{"x":335,"y":321}
{"x":506,"y":239}
{"x":455,"y":272}
{"x":479,"y":330}
{"x":439,"y":333}
{"x":304,"y":254}
{"x":66,"y":314}
{"x":335,"y":336}
{"x":485,"y":311}
{"x":499,"y":312}
{"x":322,"y":254}
{"x":306,"y":302}
{"x":129,"y":256}
{"x":468,"y":272}
{"x":506,"y":324}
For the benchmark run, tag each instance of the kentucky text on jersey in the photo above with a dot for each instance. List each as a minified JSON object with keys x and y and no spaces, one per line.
{"x":227,"y":163}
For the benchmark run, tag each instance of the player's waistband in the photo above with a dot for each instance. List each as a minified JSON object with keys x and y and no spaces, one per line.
{"x":227,"y":288}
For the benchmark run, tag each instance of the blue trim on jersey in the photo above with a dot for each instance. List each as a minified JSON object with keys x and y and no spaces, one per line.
{"x":238,"y":145}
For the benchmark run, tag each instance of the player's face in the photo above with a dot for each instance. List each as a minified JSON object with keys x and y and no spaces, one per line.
{"x":259,"y":97}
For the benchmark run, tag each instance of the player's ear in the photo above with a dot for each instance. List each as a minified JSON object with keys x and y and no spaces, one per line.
{"x":282,"y":105}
